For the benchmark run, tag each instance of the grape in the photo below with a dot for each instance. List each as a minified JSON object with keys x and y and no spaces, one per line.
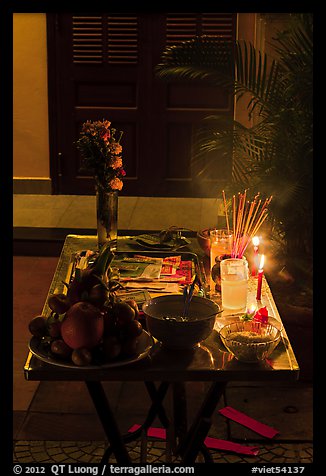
{"x":134,"y":305}
{"x":98,"y":295}
{"x":129,"y":346}
{"x":60,"y":348}
{"x":59,"y":303}
{"x":37,"y":326}
{"x":81,"y":356}
{"x":123,"y":313}
{"x":111,"y":347}
{"x":54,"y":329}
{"x":133,"y":329}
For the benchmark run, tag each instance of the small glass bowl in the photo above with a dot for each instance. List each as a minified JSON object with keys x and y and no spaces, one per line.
{"x":250,"y":341}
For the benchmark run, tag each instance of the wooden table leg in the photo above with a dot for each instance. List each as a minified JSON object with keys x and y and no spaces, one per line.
{"x":143,"y":446}
{"x":194,"y":440}
{"x":179,"y":409}
{"x":157,"y":396}
{"x":108,"y":421}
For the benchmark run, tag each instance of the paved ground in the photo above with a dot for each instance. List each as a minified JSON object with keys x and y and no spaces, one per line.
{"x":92,"y":451}
{"x":50,"y":432}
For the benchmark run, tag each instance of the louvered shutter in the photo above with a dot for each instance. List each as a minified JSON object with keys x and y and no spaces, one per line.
{"x":184,"y":26}
{"x":111,"y":39}
{"x":122,"y":39}
{"x":87,"y":39}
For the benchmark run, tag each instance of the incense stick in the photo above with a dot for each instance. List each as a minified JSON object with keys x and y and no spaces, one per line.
{"x":247,"y":218}
{"x":226,"y":212}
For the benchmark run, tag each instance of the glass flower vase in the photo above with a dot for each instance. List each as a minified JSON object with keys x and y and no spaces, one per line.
{"x":107,"y":217}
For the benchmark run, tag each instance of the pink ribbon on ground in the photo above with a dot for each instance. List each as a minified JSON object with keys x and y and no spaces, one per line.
{"x":249,"y":422}
{"x":212,"y":443}
{"x":225,"y":445}
{"x":152,"y":432}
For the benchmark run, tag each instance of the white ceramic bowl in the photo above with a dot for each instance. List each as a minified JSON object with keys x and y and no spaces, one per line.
{"x":164,"y":320}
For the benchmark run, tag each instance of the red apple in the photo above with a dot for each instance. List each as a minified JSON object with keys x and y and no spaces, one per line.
{"x":82,"y":326}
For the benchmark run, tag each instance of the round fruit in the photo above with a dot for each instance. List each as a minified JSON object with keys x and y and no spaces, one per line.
{"x":82,"y":326}
{"x":129,"y":347}
{"x":134,"y":305}
{"x":54,"y":329}
{"x":123,"y":313}
{"x":82,"y":285}
{"x":81,"y":356}
{"x":60,"y":348}
{"x":98,"y":295}
{"x":133,"y":329}
{"x":111,"y":347}
{"x":110,"y":326}
{"x":37,"y":326}
{"x":59,"y":303}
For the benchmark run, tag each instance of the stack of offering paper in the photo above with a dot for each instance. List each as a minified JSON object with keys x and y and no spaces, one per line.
{"x":156,"y":274}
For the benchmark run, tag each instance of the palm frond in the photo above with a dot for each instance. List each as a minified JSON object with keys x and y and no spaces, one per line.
{"x":275,"y":155}
{"x":230,"y":137}
{"x":199,"y":58}
{"x":295,"y":48}
{"x":211,"y":60}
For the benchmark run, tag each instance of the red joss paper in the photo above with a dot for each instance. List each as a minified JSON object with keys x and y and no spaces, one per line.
{"x":213,"y":443}
{"x":249,"y":422}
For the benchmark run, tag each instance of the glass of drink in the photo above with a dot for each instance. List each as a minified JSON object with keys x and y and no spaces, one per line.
{"x":220,"y":245}
{"x":234,"y":283}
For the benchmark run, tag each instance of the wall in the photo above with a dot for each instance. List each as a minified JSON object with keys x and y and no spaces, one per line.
{"x":30,"y":106}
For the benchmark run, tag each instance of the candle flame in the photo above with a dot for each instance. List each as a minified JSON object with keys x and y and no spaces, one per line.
{"x":255,"y":241}
{"x":251,"y":309}
{"x":262,"y":261}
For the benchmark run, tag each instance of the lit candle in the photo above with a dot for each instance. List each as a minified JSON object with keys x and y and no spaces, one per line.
{"x":260,"y":277}
{"x":249,"y":313}
{"x":252,"y":308}
{"x":255,"y":242}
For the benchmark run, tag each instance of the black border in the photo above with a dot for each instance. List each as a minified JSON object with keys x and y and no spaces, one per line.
{"x":6,"y":190}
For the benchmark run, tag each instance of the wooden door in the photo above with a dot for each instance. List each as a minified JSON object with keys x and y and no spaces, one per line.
{"x":102,"y":67}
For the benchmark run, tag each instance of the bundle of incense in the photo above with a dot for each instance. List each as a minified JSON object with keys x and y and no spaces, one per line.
{"x":247,"y":218}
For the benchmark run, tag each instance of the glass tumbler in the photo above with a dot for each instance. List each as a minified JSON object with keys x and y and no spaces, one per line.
{"x":220,"y":244}
{"x":234,"y":283}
